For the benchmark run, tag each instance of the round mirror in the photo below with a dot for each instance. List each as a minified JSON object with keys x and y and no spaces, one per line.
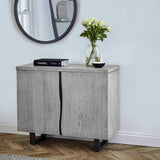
{"x":45,"y":21}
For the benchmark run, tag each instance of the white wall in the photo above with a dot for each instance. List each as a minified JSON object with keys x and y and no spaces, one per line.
{"x":134,"y":44}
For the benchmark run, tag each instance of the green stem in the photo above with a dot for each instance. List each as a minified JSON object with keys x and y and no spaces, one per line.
{"x":90,"y":57}
{"x":97,"y":59}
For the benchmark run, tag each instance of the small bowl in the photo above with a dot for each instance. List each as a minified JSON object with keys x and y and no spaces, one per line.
{"x":98,"y":64}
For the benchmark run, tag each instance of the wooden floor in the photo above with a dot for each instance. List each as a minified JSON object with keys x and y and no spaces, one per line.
{"x":60,"y":149}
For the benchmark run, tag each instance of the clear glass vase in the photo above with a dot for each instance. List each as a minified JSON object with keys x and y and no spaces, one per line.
{"x":92,"y":54}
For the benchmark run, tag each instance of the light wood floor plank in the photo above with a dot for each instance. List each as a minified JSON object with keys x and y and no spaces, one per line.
{"x":63,"y":149}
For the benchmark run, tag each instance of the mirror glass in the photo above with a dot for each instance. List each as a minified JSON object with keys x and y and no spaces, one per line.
{"x":45,"y":20}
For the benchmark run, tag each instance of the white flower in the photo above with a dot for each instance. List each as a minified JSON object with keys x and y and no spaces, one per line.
{"x":96,"y":23}
{"x":84,"y":22}
{"x":108,"y":28}
{"x":102,"y":23}
{"x":91,"y":20}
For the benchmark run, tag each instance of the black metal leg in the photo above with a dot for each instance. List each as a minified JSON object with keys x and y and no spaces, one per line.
{"x":99,"y":145}
{"x":34,"y":140}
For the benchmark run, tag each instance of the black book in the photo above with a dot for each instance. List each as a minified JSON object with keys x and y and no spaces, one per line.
{"x":51,"y":62}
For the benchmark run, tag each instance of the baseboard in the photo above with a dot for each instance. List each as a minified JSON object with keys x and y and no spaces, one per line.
{"x":10,"y":128}
{"x":133,"y":138}
{"x":121,"y":137}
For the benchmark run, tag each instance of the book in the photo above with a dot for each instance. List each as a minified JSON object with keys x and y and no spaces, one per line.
{"x":51,"y":62}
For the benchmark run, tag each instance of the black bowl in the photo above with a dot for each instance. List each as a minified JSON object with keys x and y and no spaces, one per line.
{"x":98,"y":64}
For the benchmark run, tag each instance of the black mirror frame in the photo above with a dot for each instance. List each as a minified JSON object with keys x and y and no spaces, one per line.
{"x":51,"y":41}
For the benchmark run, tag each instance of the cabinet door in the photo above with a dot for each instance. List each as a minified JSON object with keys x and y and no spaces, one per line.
{"x":38,"y":101}
{"x":84,"y":111}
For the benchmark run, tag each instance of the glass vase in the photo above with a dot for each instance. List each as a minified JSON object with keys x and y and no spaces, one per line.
{"x":92,"y":54}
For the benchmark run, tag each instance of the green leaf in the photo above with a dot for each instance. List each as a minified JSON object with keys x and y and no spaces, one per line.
{"x":104,"y":35}
{"x":101,"y":38}
{"x":83,"y":34}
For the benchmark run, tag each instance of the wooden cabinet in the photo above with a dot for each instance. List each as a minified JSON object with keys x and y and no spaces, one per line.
{"x":38,"y":101}
{"x":85,"y":105}
{"x":73,"y":101}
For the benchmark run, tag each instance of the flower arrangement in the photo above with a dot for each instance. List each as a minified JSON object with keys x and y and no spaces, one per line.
{"x":94,"y":30}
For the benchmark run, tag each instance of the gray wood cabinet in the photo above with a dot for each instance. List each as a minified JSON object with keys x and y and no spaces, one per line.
{"x":73,"y":101}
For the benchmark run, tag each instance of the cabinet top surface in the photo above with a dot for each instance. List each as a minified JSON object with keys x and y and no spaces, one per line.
{"x":69,"y":68}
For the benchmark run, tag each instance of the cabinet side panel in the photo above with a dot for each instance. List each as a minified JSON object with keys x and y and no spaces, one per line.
{"x":113,"y":104}
{"x":84,"y":105}
{"x":38,"y":102}
{"x":24,"y":99}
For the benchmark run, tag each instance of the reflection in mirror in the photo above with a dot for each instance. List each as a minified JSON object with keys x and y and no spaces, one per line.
{"x":45,"y":20}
